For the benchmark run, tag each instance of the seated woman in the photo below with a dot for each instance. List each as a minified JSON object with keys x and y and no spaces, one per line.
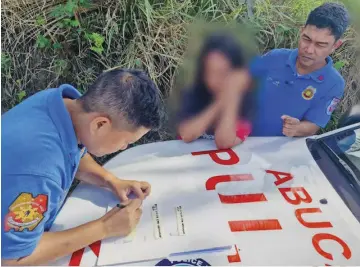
{"x":219,"y":104}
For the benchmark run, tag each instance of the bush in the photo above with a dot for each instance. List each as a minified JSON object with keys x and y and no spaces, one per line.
{"x":46,"y":43}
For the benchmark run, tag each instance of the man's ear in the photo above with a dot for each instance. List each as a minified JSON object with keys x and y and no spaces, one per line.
{"x":338,"y":43}
{"x":302,"y":29}
{"x":100,"y":125}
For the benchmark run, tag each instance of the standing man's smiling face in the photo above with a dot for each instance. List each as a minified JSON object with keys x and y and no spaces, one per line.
{"x":315,"y":45}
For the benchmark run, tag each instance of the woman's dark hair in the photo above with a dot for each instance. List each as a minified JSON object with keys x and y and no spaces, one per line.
{"x":226,"y":45}
{"x":199,"y":96}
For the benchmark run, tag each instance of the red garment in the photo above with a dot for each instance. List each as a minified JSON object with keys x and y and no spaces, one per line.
{"x":243,"y":130}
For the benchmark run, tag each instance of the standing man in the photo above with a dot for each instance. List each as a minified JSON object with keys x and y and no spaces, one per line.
{"x":45,"y":140}
{"x":300,"y":88}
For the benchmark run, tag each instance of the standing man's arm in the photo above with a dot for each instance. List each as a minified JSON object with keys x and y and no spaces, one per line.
{"x":316,"y":117}
{"x":293,"y":127}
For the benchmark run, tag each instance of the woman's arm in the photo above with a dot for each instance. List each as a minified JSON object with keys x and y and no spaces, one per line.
{"x":225,"y":133}
{"x":235,"y":88}
{"x":193,"y":128}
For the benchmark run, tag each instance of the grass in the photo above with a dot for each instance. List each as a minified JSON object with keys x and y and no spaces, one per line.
{"x":47,"y":43}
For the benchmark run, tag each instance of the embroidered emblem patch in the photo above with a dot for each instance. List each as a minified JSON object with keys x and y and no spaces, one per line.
{"x":332,"y":106}
{"x":308,"y":93}
{"x":26,"y":212}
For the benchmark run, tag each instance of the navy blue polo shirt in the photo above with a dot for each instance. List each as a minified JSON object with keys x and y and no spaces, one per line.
{"x":40,"y":156}
{"x":282,"y":91}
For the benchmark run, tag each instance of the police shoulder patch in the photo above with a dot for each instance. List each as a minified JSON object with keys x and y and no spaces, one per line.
{"x":332,"y":105}
{"x":188,"y":262}
{"x":26,"y":212}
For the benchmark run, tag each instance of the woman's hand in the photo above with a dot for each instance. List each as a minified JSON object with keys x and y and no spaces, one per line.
{"x":238,"y":81}
{"x":231,"y":98}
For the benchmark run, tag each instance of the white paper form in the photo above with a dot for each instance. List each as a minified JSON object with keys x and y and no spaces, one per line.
{"x":171,"y":225}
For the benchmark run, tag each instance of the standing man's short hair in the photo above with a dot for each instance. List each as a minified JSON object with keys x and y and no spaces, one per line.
{"x":332,"y":16}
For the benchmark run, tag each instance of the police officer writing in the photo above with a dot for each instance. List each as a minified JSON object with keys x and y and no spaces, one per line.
{"x":299,"y":88}
{"x":45,"y":140}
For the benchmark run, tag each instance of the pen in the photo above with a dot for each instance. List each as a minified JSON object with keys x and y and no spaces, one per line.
{"x":120,"y":206}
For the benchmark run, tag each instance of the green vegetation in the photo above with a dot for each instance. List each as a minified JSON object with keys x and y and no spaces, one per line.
{"x":46,"y":43}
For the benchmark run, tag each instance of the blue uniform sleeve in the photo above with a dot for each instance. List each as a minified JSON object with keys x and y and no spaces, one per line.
{"x":259,"y":64}
{"x":321,"y":110}
{"x":26,"y":205}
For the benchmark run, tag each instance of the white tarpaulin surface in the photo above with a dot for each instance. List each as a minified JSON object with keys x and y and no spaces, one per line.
{"x":172,"y":222}
{"x":270,"y":198}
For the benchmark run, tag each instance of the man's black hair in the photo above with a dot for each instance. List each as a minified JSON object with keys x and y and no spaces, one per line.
{"x":333,"y":16}
{"x":126,"y":94}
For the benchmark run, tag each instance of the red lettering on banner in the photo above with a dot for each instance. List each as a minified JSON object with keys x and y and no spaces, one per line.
{"x":248,"y":198}
{"x":281,"y":177}
{"x":237,"y":226}
{"x":234,"y":199}
{"x":95,"y":247}
{"x":295,"y":191}
{"x":299,"y":195}
{"x":300,"y":212}
{"x":76,"y":257}
{"x":234,"y":258}
{"x":254,"y":225}
{"x":324,"y":236}
{"x":234,"y":159}
{"x":213,"y":181}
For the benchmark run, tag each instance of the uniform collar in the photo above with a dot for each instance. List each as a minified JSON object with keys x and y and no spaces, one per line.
{"x":318,"y":75}
{"x":61,"y":117}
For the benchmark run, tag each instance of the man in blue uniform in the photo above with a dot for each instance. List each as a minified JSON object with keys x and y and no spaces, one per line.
{"x":300,"y":88}
{"x":45,"y":140}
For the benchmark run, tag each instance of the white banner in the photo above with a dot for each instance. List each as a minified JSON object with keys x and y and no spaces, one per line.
{"x":279,"y":206}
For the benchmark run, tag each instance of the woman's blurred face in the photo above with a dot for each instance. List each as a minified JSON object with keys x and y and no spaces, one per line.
{"x":216,"y":69}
